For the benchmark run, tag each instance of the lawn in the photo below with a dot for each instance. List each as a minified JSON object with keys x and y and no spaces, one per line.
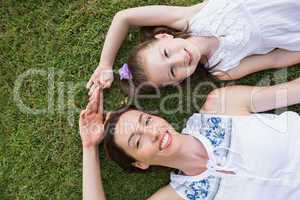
{"x":49,"y":49}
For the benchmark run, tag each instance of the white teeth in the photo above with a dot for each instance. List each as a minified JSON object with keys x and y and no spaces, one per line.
{"x":164,"y":141}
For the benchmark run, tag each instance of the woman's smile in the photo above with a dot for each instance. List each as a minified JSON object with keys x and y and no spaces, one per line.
{"x":165,"y":141}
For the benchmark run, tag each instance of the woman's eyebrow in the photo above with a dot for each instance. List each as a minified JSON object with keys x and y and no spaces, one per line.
{"x":140,"y":118}
{"x":133,"y":134}
{"x":130,"y":138}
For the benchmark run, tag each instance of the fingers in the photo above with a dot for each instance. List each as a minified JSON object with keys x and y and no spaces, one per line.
{"x":94,"y":100}
{"x":92,"y":89}
{"x":100,"y":105}
{"x":83,"y":113}
{"x":82,"y":117}
{"x":92,"y":107}
{"x":106,"y":84}
{"x":96,"y":95}
{"x":89,"y":84}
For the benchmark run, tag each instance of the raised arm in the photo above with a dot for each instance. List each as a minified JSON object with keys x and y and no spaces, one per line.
{"x":242,"y":100}
{"x":170,"y":16}
{"x":278,"y":58}
{"x":91,"y":133}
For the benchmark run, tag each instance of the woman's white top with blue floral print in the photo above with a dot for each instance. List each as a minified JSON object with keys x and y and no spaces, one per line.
{"x":263,"y":151}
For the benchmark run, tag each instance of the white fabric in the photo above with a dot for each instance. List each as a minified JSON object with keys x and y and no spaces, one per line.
{"x":263,"y":150}
{"x":247,"y":27}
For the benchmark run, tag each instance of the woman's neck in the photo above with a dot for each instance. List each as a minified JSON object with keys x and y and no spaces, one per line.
{"x":191,"y":157}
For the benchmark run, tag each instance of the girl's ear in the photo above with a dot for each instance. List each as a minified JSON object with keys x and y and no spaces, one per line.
{"x":163,"y":35}
{"x":140,"y":165}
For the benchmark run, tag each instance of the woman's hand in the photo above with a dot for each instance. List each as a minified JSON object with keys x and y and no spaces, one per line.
{"x":91,"y":121}
{"x":102,"y":76}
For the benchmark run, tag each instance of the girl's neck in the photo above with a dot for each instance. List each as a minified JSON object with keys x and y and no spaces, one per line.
{"x":191,"y":157}
{"x":206,"y":46}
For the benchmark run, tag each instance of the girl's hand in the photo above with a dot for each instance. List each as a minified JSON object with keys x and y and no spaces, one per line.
{"x":91,"y":121}
{"x":102,"y":76}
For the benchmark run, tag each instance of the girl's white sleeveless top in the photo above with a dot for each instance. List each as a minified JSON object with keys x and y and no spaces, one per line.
{"x":263,"y":151}
{"x":247,"y":27}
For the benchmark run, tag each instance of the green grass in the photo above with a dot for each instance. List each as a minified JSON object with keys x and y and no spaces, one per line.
{"x":40,"y":155}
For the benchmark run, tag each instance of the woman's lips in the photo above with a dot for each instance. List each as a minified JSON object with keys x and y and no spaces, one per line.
{"x":165,"y":141}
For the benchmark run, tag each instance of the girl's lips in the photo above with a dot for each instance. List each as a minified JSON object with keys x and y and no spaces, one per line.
{"x":190,"y":56}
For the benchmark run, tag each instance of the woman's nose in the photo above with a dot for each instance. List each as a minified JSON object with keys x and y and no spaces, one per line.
{"x":156,"y":133}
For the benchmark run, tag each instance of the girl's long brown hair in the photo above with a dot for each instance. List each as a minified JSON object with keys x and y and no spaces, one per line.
{"x":135,"y":62}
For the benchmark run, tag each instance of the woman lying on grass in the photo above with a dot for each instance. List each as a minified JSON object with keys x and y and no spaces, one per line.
{"x":237,"y":37}
{"x":224,"y":152}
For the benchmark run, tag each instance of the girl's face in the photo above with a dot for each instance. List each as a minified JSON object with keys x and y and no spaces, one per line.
{"x":147,"y":138}
{"x":170,"y":60}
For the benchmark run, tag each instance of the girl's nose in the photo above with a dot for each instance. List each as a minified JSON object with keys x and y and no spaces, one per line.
{"x":179,"y":58}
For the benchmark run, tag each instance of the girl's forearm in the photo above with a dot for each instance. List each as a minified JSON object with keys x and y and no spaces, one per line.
{"x":92,"y":183}
{"x":114,"y":38}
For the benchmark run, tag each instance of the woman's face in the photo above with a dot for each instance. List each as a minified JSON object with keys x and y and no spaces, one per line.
{"x":170,"y":60}
{"x":147,"y":138}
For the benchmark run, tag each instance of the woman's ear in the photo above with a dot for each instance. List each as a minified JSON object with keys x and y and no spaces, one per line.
{"x":140,"y":165}
{"x":163,"y":35}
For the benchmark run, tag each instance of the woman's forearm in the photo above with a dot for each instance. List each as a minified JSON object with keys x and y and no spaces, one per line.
{"x":114,"y":38}
{"x":92,"y":183}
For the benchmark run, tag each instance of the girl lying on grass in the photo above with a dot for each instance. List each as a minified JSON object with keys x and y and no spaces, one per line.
{"x":237,"y":37}
{"x":224,"y":152}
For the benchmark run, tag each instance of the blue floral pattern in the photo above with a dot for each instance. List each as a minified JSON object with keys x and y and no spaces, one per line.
{"x":214,"y":131}
{"x":218,"y":131}
{"x":198,"y":189}
{"x":202,"y":189}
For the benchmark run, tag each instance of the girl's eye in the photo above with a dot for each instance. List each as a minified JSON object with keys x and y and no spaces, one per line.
{"x":172,"y":71}
{"x":166,"y":53}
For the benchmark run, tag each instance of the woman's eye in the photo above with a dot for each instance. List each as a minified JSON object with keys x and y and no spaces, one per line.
{"x":138,"y":143}
{"x":166,"y":53}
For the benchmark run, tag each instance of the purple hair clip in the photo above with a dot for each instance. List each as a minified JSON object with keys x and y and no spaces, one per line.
{"x":125,"y":72}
